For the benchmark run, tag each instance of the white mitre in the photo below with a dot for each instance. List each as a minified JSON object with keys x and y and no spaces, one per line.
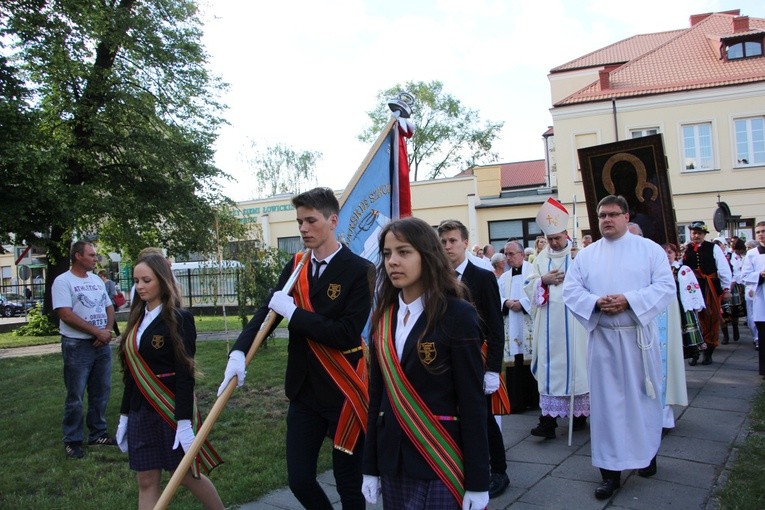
{"x":552,"y":217}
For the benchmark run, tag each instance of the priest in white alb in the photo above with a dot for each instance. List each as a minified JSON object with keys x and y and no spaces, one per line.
{"x":616,"y":288}
{"x":559,"y":342}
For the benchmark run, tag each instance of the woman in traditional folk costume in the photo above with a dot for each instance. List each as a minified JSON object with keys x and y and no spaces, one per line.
{"x":158,"y":415}
{"x":426,"y":444}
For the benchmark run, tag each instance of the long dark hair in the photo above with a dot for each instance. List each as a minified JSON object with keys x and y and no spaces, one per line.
{"x":438,"y":280}
{"x":171,"y":304}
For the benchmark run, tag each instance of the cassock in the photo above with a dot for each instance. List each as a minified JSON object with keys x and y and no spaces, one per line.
{"x":624,"y":361}
{"x":559,"y":346}
{"x":518,"y":327}
{"x":521,"y":386}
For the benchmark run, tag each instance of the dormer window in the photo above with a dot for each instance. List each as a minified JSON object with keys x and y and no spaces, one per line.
{"x":743,"y":49}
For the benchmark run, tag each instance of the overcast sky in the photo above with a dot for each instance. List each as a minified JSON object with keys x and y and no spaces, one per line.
{"x":305,"y":73}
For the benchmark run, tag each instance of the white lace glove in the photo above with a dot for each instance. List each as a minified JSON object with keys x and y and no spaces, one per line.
{"x":184,"y":435}
{"x":490,"y":382}
{"x":370,"y":488}
{"x":235,"y":367}
{"x":475,"y":500}
{"x":283,"y":304}
{"x":122,"y":433}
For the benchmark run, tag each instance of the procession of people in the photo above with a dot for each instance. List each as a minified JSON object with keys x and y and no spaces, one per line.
{"x":595,"y":335}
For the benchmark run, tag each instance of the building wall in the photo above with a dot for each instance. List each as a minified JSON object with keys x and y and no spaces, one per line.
{"x":694,"y":192}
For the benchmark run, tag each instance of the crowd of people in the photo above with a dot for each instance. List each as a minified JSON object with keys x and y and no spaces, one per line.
{"x":457,"y":338}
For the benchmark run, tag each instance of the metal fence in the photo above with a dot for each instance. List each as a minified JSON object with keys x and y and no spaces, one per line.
{"x":208,"y":286}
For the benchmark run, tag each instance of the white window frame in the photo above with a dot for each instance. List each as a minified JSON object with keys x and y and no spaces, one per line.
{"x":750,"y":160}
{"x":686,"y":161}
{"x":641,"y":132}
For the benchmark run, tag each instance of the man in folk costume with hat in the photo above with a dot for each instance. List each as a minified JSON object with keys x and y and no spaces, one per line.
{"x":616,"y":288}
{"x":714,"y":275}
{"x":326,"y":377}
{"x":559,"y":342}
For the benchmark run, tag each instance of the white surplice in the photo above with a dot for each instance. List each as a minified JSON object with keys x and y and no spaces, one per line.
{"x":559,"y":361}
{"x":517,"y":324}
{"x":754,"y":264}
{"x":623,"y":351}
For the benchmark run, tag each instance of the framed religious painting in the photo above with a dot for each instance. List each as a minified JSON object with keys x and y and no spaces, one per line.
{"x":637,"y":170}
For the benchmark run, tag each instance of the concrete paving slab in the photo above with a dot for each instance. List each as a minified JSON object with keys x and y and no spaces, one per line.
{"x":712,"y":424}
{"x":642,"y":493}
{"x":577,"y":467}
{"x":685,"y":472}
{"x":739,"y":405}
{"x":525,"y":474}
{"x":553,"y":492}
{"x":695,"y":449}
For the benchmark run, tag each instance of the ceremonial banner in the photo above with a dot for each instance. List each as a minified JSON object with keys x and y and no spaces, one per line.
{"x":378,"y":192}
{"x":635,"y":169}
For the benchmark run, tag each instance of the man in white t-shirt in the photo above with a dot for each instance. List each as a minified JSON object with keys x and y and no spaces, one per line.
{"x":86,"y":318}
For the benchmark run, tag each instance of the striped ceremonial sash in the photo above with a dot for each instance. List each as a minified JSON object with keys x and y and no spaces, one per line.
{"x":163,"y":401}
{"x":421,"y":426}
{"x":500,"y":402}
{"x":351,"y":382}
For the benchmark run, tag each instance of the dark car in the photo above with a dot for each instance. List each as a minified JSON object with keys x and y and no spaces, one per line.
{"x":12,"y":305}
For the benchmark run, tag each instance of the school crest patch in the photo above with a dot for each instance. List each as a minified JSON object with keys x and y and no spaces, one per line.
{"x":333,"y":291}
{"x":157,"y":341}
{"x":427,"y":352}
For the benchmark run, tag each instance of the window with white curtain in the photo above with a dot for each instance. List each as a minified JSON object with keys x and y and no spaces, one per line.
{"x":698,"y":153}
{"x":750,"y":141}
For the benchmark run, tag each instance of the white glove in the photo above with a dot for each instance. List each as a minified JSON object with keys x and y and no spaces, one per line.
{"x":184,"y":435}
{"x":475,"y":500}
{"x":490,"y":382}
{"x":235,"y":367}
{"x":370,"y":488}
{"x":122,"y":433}
{"x":283,"y":304}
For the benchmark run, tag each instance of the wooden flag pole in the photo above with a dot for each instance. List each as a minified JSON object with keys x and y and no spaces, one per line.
{"x":220,"y":403}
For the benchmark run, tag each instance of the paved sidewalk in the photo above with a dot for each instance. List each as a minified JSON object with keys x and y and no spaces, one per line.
{"x":694,"y":459}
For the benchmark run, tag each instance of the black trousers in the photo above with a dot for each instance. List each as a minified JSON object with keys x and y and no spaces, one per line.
{"x":496,"y":443}
{"x":307,"y":428}
{"x":761,"y":339}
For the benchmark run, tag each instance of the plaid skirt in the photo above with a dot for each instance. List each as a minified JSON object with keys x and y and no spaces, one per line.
{"x":406,"y":493}
{"x":150,"y":442}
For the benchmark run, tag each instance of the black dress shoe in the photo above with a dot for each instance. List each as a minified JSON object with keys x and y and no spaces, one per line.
{"x":606,"y":488}
{"x":650,"y":470}
{"x":498,"y":484}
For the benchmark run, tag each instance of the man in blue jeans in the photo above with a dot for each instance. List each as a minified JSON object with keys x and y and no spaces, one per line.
{"x":87,"y":315}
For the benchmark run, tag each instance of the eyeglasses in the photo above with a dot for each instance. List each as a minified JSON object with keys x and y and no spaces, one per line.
{"x":512,"y":253}
{"x":612,"y":215}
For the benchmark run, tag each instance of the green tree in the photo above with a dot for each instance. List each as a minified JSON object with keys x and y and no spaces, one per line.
{"x":127,"y":114}
{"x":281,"y":169}
{"x":447,"y":135}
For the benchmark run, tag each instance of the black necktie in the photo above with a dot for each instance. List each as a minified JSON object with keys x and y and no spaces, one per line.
{"x":317,"y":270}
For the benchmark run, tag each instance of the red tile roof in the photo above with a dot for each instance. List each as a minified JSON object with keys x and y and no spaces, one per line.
{"x":689,"y":60}
{"x":520,"y":174}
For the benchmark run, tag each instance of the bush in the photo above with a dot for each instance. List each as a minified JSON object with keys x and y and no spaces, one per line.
{"x":37,"y":324}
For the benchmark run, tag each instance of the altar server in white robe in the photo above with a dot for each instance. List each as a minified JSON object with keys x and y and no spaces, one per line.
{"x":616,"y":288}
{"x":559,"y":348}
{"x":753,"y":273}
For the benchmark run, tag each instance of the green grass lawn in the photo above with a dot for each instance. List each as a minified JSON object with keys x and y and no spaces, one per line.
{"x":249,"y":435}
{"x":744,"y":489}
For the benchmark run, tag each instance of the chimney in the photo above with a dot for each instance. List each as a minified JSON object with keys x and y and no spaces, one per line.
{"x":605,"y":83}
{"x":697,"y":18}
{"x":740,"y":24}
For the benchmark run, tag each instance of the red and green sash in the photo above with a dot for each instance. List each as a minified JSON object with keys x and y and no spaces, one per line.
{"x":500,"y":402}
{"x":421,"y":426}
{"x":163,"y":401}
{"x":352,"y":382}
